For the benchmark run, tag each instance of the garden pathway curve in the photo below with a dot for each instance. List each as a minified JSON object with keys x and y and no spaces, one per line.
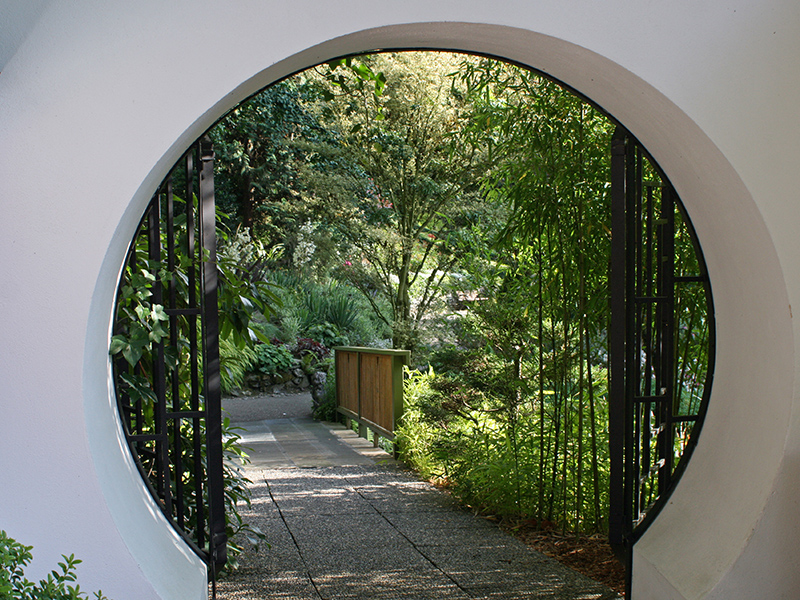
{"x":345,"y":521}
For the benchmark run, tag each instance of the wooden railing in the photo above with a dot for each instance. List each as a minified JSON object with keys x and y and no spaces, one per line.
{"x":369,"y":388}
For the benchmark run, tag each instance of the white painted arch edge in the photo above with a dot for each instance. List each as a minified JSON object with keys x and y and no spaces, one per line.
{"x":737,"y":245}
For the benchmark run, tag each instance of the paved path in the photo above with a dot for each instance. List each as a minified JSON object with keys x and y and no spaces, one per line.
{"x":345,"y":521}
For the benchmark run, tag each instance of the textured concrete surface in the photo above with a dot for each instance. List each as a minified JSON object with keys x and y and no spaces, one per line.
{"x":351,"y":523}
{"x":267,"y":406}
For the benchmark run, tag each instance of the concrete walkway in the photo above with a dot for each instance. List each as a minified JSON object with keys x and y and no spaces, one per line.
{"x":345,"y":521}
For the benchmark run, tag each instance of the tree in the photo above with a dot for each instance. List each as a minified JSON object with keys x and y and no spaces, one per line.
{"x":257,"y":164}
{"x":403,"y":204}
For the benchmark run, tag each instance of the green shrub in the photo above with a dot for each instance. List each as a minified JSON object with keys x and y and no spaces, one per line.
{"x":274,"y":358}
{"x":418,"y":435}
{"x":449,"y":358}
{"x":328,"y":335}
{"x":290,"y":329}
{"x":268,"y":330}
{"x":334,"y":313}
{"x":341,"y":309}
{"x":14,"y":557}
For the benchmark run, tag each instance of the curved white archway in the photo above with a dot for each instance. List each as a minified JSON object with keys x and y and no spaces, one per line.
{"x":716,"y":531}
{"x":697,"y":500}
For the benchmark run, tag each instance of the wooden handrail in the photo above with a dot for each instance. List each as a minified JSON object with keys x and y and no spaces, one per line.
{"x":369,"y":388}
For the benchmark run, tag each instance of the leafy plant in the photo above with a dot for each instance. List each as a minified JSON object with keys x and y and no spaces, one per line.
{"x":14,"y":557}
{"x":235,"y":362}
{"x":144,"y":333}
{"x":311,"y":354}
{"x":325,"y":410}
{"x":305,"y":346}
{"x":332,"y":313}
{"x":327,"y":334}
{"x":243,"y":292}
{"x":274,"y":358}
{"x":144,"y":318}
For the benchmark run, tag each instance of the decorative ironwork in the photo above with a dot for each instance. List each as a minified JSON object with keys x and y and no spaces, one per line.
{"x":661,"y":341}
{"x":167,"y":355}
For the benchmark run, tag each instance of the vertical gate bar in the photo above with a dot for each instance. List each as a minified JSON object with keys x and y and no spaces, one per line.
{"x":616,"y":343}
{"x":682,"y":295}
{"x":642,"y":332}
{"x":658,"y":348}
{"x":159,"y":371}
{"x":196,"y":259}
{"x":667,"y":328}
{"x":635,"y":343}
{"x":153,"y":254}
{"x":135,"y":409}
{"x":632,"y":348}
{"x":650,"y":353}
{"x":137,"y":368}
{"x":212,"y":392}
{"x":176,"y":445}
{"x":647,"y":235}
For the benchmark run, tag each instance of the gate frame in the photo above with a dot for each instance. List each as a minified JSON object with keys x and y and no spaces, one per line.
{"x":210,"y":538}
{"x":627,"y":520}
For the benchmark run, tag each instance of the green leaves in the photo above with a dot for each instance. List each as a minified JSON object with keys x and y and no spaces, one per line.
{"x":144,"y":332}
{"x":273,"y":359}
{"x":364,"y":75}
{"x":14,"y":557}
{"x":145,"y":327}
{"x":399,"y":125}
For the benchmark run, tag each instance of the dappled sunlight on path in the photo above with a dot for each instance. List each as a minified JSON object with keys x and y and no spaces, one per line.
{"x":373,"y":531}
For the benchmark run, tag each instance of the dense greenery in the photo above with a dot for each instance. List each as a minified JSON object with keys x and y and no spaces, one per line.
{"x":143,"y":330}
{"x":466,"y":200}
{"x":522,"y":393}
{"x":513,"y":415}
{"x":403,"y":209}
{"x":455,"y":206}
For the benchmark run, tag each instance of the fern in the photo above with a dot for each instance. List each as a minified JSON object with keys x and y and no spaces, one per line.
{"x":234,"y":363}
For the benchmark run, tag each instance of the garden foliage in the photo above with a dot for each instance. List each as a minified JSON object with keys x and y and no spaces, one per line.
{"x":142,"y":324}
{"x":457,"y":206}
{"x":513,"y":415}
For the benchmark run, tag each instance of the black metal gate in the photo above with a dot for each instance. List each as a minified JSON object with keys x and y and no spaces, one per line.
{"x":166,"y":351}
{"x":661,"y":341}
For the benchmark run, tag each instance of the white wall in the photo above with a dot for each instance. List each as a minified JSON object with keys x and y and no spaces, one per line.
{"x":100,"y":98}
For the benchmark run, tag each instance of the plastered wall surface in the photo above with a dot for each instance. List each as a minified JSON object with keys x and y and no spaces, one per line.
{"x":98,"y":99}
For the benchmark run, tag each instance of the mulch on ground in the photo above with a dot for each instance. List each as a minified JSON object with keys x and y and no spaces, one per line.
{"x":590,"y":555}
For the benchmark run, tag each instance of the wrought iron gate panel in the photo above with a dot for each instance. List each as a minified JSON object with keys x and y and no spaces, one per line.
{"x":661,"y":341}
{"x":167,"y":347}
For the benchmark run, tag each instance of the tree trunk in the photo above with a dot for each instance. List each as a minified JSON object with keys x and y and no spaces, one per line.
{"x":247,"y":201}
